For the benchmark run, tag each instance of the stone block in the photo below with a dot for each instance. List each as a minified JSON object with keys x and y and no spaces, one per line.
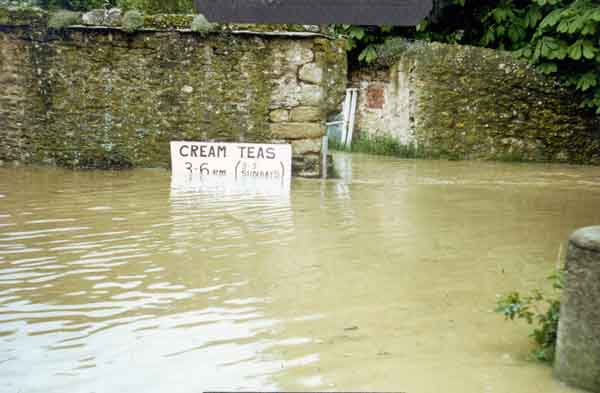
{"x":94,"y":17}
{"x":297,"y":130}
{"x":308,"y":165}
{"x":279,"y":115}
{"x":305,"y":113}
{"x":311,"y":73}
{"x":310,"y":94}
{"x":304,"y":146}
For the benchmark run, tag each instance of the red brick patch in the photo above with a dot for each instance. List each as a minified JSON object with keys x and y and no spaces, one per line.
{"x":375,"y":97}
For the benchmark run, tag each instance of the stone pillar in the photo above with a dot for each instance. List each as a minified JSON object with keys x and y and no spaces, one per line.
{"x":578,"y":345}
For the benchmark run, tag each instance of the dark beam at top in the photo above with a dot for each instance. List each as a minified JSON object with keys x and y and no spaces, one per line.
{"x":317,"y":12}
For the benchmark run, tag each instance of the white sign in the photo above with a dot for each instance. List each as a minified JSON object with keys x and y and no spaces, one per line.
{"x":245,"y":163}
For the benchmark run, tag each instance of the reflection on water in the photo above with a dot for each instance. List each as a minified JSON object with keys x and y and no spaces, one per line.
{"x":382,"y":280}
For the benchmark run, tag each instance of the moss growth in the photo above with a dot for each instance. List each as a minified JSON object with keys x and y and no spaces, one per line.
{"x":63,"y":18}
{"x":265,"y":28}
{"x":103,"y":98}
{"x":168,"y":21}
{"x":474,"y":103}
{"x":391,"y":51}
{"x":23,"y":16}
{"x":330,"y":55}
{"x":132,"y":21}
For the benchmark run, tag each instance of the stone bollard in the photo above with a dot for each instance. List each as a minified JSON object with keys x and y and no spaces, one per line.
{"x":578,"y":344}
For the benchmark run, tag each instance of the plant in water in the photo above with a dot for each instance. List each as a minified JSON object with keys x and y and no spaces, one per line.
{"x":540,"y":310}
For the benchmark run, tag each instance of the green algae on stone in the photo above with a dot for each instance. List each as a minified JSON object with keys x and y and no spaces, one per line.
{"x":474,"y":103}
{"x":168,"y":21}
{"x":104,"y":98}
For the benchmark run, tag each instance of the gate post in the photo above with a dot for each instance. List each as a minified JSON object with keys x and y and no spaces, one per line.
{"x":578,"y":344}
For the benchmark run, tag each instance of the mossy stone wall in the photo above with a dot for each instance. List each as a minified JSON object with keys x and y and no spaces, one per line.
{"x":461,"y":102}
{"x":100,"y":97}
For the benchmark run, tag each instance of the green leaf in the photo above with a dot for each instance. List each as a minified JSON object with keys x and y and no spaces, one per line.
{"x":547,"y":68}
{"x":551,"y":19}
{"x":576,"y":50}
{"x":589,"y":50}
{"x":587,"y":81}
{"x":368,"y":55}
{"x":533,"y":16}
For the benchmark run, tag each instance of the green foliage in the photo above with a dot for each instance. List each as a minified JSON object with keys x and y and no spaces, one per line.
{"x":168,"y":21}
{"x":61,"y":19}
{"x":201,"y":25}
{"x":362,"y":40}
{"x":539,"y":309}
{"x":133,"y":20}
{"x":379,"y":144}
{"x":559,"y":37}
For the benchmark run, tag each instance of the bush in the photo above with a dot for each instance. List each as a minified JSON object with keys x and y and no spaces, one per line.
{"x":201,"y":25}
{"x":540,"y":309}
{"x":61,"y":19}
{"x":133,"y":20}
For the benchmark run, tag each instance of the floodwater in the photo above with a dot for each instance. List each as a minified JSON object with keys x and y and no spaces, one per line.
{"x":383,"y":280}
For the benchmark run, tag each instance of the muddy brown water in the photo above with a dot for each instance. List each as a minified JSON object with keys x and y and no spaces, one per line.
{"x":383,"y":280}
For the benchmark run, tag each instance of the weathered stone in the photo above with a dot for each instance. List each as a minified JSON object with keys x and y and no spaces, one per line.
{"x":94,"y":17}
{"x":304,"y":146}
{"x":578,"y":344}
{"x":288,"y":93}
{"x":310,"y":95}
{"x":297,"y":130}
{"x":299,"y":53}
{"x":331,"y":55}
{"x":104,"y":98}
{"x":311,"y":73}
{"x":306,"y":113}
{"x":588,"y":238}
{"x":375,"y":96}
{"x":308,"y":165}
{"x":464,"y":102}
{"x":279,"y":115}
{"x":98,"y":17}
{"x":113,"y":17}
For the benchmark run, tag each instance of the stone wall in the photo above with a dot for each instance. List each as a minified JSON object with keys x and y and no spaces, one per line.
{"x":463,"y":102}
{"x":100,"y":97}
